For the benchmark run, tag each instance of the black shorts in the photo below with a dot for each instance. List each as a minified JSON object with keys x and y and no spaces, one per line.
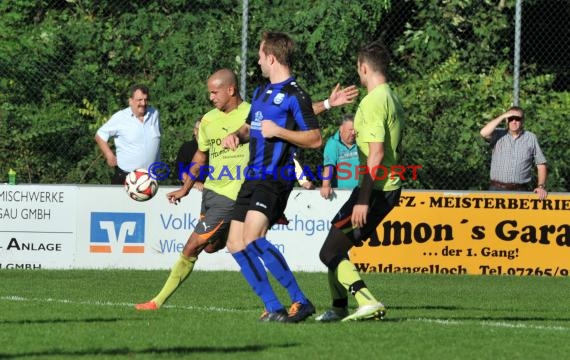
{"x":380,"y":205}
{"x":266,"y":196}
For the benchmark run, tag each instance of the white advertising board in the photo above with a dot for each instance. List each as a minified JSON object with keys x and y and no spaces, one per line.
{"x":309,"y":218}
{"x":100,"y":227}
{"x":114,"y":231}
{"x":37,"y":226}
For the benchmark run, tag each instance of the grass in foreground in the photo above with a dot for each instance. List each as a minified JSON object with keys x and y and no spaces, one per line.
{"x":89,"y":314}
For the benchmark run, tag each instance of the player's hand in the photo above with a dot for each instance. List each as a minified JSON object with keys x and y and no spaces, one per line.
{"x":343,"y":96}
{"x":175,"y":196}
{"x":230,"y":142}
{"x":269,"y":129}
{"x":359,"y":213}
{"x":327,"y":192}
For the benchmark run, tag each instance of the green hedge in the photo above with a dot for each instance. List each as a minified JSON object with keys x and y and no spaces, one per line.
{"x":65,"y":67}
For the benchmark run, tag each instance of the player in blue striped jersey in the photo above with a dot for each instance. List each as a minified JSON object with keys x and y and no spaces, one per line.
{"x":281,"y":119}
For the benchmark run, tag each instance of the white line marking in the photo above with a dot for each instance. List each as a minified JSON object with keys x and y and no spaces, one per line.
{"x":493,"y":323}
{"x":108,"y":303}
{"x":444,"y":322}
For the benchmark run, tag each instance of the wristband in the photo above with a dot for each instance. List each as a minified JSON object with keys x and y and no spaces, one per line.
{"x":541,"y":186}
{"x":327,"y":104}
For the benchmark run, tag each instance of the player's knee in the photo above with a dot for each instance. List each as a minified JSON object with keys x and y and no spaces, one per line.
{"x":214,"y":246}
{"x":332,"y":252}
{"x":323,"y":256}
{"x":211,"y":248}
{"x":194,"y":245}
{"x":331,"y":258}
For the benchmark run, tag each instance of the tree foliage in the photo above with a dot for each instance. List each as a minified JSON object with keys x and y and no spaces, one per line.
{"x":65,"y":67}
{"x":455,"y":66}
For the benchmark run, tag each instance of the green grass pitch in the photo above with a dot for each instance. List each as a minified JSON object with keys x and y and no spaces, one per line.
{"x":89,"y":314}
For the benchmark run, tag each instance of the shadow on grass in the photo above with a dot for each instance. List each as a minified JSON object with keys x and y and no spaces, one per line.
{"x":63,"y":321}
{"x":179,"y":350}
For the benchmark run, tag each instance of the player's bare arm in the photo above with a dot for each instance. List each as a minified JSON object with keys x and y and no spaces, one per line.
{"x":310,"y":139}
{"x":375,"y":157}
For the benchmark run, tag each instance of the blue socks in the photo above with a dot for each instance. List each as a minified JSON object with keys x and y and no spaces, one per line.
{"x":255,"y":274}
{"x":277,"y":265}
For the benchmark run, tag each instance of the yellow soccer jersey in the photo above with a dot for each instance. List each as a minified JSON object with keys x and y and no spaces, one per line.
{"x":226,"y":167}
{"x":380,"y":118}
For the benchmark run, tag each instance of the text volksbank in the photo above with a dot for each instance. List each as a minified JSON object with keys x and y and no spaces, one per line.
{"x":188,"y":222}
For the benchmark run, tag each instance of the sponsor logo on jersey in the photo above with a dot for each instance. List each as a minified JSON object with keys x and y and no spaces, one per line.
{"x":278,"y":98}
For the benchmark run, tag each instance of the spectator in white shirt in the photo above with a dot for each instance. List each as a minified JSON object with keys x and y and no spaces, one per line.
{"x":136,"y":133}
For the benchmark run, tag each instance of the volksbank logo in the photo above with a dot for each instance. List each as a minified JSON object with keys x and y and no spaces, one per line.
{"x":117,"y":232}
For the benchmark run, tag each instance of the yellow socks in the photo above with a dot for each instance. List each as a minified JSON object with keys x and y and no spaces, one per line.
{"x":350,"y":279}
{"x":180,"y":271}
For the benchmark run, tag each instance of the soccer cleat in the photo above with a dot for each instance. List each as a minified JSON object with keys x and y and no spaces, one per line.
{"x":276,"y":316}
{"x":332,"y":315}
{"x":151,"y":305}
{"x":299,"y":311}
{"x":365,"y":312}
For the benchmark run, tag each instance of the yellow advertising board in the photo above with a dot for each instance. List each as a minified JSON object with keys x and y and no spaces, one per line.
{"x":485,"y":233}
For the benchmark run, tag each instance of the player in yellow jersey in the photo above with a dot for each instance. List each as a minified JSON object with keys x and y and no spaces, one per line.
{"x":225,"y":169}
{"x":221,"y":186}
{"x":378,"y":124}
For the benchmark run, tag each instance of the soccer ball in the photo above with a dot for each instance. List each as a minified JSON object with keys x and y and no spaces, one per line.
{"x":140,"y":186}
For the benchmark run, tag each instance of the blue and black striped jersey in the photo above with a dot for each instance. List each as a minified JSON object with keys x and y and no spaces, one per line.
{"x":288,"y":106}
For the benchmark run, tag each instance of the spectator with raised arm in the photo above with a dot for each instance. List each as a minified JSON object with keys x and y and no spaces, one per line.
{"x":515,"y":153}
